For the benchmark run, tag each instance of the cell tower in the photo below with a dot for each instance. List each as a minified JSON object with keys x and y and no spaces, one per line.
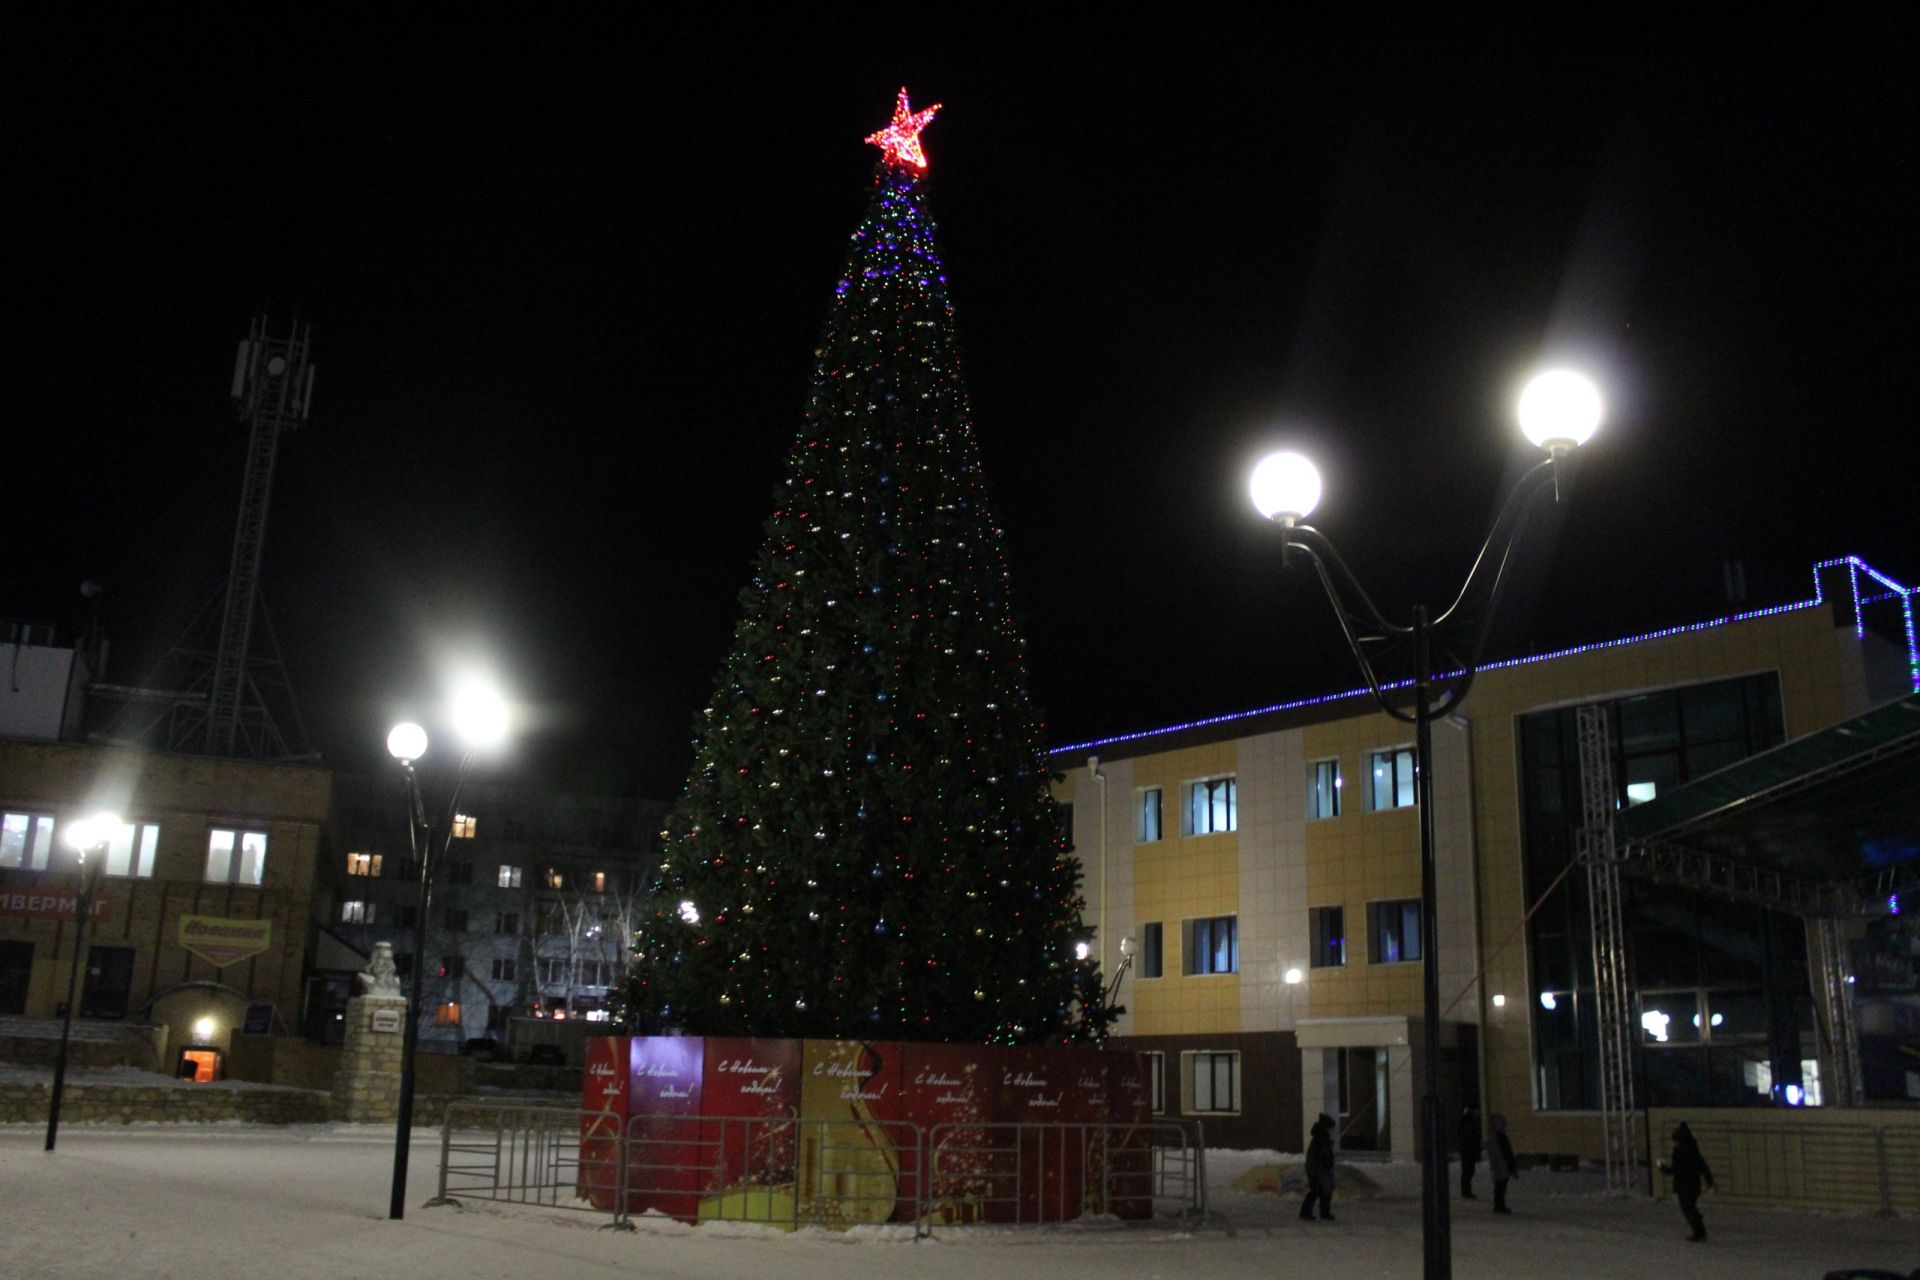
{"x":222,"y":690}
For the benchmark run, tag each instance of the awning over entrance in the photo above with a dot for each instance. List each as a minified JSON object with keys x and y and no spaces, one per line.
{"x":1835,"y":814}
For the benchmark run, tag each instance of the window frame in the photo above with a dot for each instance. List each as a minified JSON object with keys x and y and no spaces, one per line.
{"x":1153,"y":951}
{"x":1409,"y":786}
{"x":507,"y":923}
{"x":1200,"y":943}
{"x":364,"y":864}
{"x":1222,"y":791}
{"x":510,"y":873}
{"x":504,"y":969}
{"x":1156,"y":1080}
{"x":36,"y":840}
{"x":358,"y":911}
{"x":1190,"y":1062}
{"x":1317,"y":939}
{"x":236,"y":856}
{"x":1318,"y":793}
{"x":140,"y":852}
{"x":1149,"y":814}
{"x":1405,"y":909}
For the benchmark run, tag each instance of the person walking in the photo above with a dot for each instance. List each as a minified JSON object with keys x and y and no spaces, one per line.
{"x":1500,"y":1162}
{"x":1688,"y":1168}
{"x":1319,"y":1171}
{"x":1469,"y":1142}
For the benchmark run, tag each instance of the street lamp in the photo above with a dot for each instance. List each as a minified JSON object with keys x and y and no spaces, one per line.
{"x":480,"y":719}
{"x":84,"y":836}
{"x":1558,"y":411}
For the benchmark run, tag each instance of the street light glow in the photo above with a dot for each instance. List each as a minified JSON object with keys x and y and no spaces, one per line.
{"x":88,"y":833}
{"x":1285,"y":486}
{"x":479,"y":713}
{"x":406,"y":742}
{"x":1560,"y":409}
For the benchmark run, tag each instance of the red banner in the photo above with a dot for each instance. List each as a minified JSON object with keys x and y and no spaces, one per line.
{"x":667,"y":1164}
{"x":950,"y":1092}
{"x":756,"y":1084}
{"x":603,"y":1088}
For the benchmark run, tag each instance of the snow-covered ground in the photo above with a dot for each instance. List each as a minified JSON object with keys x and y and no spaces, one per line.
{"x":292,"y":1204}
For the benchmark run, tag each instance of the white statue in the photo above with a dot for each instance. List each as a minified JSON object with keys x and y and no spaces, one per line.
{"x":380,"y":978}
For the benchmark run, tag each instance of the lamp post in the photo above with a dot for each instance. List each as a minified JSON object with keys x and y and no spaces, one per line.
{"x":480,"y":720}
{"x":86,"y":836}
{"x":1558,"y":411}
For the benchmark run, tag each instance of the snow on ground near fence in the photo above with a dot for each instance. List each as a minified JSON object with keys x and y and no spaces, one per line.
{"x":310,"y":1204}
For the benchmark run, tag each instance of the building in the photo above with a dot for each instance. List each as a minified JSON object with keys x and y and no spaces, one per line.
{"x":531,"y":912}
{"x":1270,"y":914}
{"x":201,"y":924}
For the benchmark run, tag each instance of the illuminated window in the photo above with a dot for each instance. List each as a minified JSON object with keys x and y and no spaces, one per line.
{"x":1390,"y":779}
{"x":1213,"y":806}
{"x":1323,"y":790}
{"x":26,"y":841}
{"x":130,"y":851}
{"x":503,"y":969}
{"x":447,"y":1014}
{"x":463,"y":826}
{"x":1147,"y":828}
{"x":236,"y":857}
{"x":556,"y":879}
{"x":599,"y":882}
{"x":1213,"y":1082}
{"x":509,"y":877}
{"x":356,"y":912}
{"x":363,"y":864}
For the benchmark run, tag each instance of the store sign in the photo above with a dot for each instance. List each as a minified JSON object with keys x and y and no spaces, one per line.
{"x":48,"y":906}
{"x":221,"y":941}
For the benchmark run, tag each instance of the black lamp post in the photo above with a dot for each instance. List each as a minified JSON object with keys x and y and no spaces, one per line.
{"x":1558,"y":411}
{"x":480,"y":719}
{"x":86,"y":836}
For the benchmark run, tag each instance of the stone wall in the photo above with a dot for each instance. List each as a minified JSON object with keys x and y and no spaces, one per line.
{"x":366,"y":1088}
{"x":35,"y":1042}
{"x":162,"y":1103}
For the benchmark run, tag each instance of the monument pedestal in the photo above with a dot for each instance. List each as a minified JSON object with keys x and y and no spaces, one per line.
{"x":366,"y":1088}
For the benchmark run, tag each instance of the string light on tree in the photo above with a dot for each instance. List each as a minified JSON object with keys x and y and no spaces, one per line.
{"x":867,"y":827}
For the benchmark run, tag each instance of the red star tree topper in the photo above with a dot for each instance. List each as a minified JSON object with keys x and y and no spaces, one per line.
{"x":899,"y":142}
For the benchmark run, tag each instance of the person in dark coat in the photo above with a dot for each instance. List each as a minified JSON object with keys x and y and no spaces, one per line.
{"x":1500,"y":1162}
{"x":1469,"y":1141}
{"x":1319,"y":1171}
{"x":1688,"y":1169}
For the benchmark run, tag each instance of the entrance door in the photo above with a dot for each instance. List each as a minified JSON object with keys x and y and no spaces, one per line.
{"x":200,"y":1065}
{"x":1363,"y":1098}
{"x":109,"y":979}
{"x":16,"y":966}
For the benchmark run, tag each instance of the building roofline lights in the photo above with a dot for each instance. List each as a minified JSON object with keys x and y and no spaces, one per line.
{"x":1856,"y":569}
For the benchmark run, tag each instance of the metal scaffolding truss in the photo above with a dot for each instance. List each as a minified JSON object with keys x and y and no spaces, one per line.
{"x":1827,"y":939}
{"x":1613,"y":994}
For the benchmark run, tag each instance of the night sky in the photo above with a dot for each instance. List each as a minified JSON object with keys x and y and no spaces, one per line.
{"x":566,"y":277}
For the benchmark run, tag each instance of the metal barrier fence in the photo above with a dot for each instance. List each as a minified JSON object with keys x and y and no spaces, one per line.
{"x":547,"y":1156}
{"x":1028,"y":1173}
{"x":791,"y":1173}
{"x":1827,"y":1165}
{"x":778,"y":1171}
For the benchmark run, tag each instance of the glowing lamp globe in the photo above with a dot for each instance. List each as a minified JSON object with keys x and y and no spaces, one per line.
{"x":1285,"y":486}
{"x":84,"y":834}
{"x":1560,"y":409}
{"x":479,"y":714}
{"x":406,"y":742}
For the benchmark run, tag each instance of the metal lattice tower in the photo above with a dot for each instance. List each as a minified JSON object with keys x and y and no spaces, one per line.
{"x":1613,"y":992}
{"x":1832,"y":954}
{"x":222,"y":690}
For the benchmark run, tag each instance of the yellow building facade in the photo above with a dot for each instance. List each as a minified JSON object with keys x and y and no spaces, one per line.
{"x":1258,"y":875}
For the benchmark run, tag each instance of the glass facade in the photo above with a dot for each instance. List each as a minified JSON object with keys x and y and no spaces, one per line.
{"x":1723,"y":1002}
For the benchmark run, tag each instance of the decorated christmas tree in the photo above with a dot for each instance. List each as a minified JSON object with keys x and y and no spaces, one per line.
{"x":866,"y":846}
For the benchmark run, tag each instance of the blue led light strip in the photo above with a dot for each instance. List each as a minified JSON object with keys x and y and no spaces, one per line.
{"x":1855,"y":568}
